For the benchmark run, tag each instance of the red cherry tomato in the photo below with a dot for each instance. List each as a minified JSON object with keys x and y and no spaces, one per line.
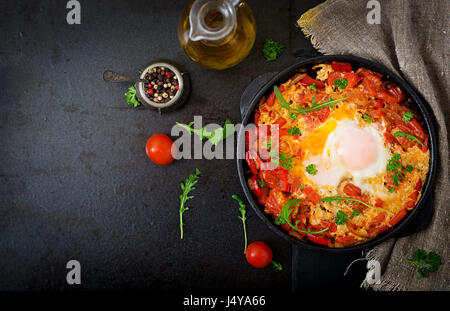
{"x":159,"y":149}
{"x":259,"y":254}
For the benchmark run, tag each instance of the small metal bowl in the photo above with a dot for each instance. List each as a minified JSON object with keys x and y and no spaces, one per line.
{"x":179,"y":98}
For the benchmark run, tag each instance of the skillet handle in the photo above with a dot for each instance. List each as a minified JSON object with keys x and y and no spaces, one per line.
{"x":251,"y":90}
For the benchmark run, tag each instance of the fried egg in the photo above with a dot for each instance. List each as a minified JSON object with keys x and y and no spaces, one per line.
{"x":346,"y":150}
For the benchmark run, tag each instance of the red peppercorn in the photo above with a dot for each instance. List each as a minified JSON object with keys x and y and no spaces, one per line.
{"x":150,"y":91}
{"x":149,"y":85}
{"x":168,"y":75}
{"x":177,"y":87}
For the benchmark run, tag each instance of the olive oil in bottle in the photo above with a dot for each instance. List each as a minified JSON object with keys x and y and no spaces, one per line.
{"x":217,"y":34}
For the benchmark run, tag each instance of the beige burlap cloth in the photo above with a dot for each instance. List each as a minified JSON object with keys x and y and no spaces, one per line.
{"x":412,"y":39}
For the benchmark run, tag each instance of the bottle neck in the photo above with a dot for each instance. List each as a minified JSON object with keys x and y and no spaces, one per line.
{"x":212,"y":20}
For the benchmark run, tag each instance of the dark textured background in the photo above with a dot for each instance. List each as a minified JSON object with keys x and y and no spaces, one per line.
{"x":75,"y":182}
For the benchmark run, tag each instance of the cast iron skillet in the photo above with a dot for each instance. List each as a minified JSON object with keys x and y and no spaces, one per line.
{"x":417,"y":104}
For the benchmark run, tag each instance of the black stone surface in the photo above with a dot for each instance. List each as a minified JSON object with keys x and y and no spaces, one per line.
{"x":75,"y":182}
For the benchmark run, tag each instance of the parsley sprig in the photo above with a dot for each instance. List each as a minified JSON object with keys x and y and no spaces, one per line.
{"x":131,"y":97}
{"x":341,"y":83}
{"x":293,"y":131}
{"x":316,"y":106}
{"x":272,"y":50}
{"x":341,"y":218}
{"x":425,"y":262}
{"x":367,"y":117}
{"x":347,"y":199}
{"x":187,"y":187}
{"x":311,"y":169}
{"x":285,"y":218}
{"x":242,"y":209}
{"x":285,"y":161}
{"x":312,"y":87}
{"x":395,"y":166}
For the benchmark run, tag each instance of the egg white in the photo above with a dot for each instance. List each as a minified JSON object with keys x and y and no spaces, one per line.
{"x":330,"y":168}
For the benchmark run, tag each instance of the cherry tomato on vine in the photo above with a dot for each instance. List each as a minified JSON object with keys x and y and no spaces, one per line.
{"x":259,"y":254}
{"x":159,"y":149}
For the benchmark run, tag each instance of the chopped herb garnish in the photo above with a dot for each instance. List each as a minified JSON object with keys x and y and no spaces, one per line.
{"x":341,"y":83}
{"x":187,"y":187}
{"x":355,"y":213}
{"x":341,"y":218}
{"x":286,"y":105}
{"x":301,"y":187}
{"x":292,"y":115}
{"x":312,"y":87}
{"x":285,"y":161}
{"x":408,"y":136}
{"x":311,"y":169}
{"x":408,"y":168}
{"x":367,"y":117}
{"x":407,"y":116}
{"x":285,"y":218}
{"x":261,"y":183}
{"x":272,"y":50}
{"x":425,"y":262}
{"x":391,"y":189}
{"x":294,"y":131}
{"x":346,"y":199}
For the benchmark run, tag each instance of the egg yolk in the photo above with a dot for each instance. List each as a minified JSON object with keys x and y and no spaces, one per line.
{"x":357,"y":149}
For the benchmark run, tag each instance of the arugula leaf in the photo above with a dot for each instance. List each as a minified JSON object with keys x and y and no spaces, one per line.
{"x":341,"y":83}
{"x":407,"y":116}
{"x":131,"y":97}
{"x":346,"y":199}
{"x":272,"y":50}
{"x":215,"y":136}
{"x":311,"y":169}
{"x":341,"y":218}
{"x":425,"y":262}
{"x":285,"y":218}
{"x":367,"y":117}
{"x":277,"y":265}
{"x":408,"y":136}
{"x":242,"y":209}
{"x":284,"y":104}
{"x":187,"y":187}
{"x":294,"y":131}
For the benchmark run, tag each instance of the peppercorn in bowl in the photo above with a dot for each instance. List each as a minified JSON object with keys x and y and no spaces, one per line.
{"x":167,"y":86}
